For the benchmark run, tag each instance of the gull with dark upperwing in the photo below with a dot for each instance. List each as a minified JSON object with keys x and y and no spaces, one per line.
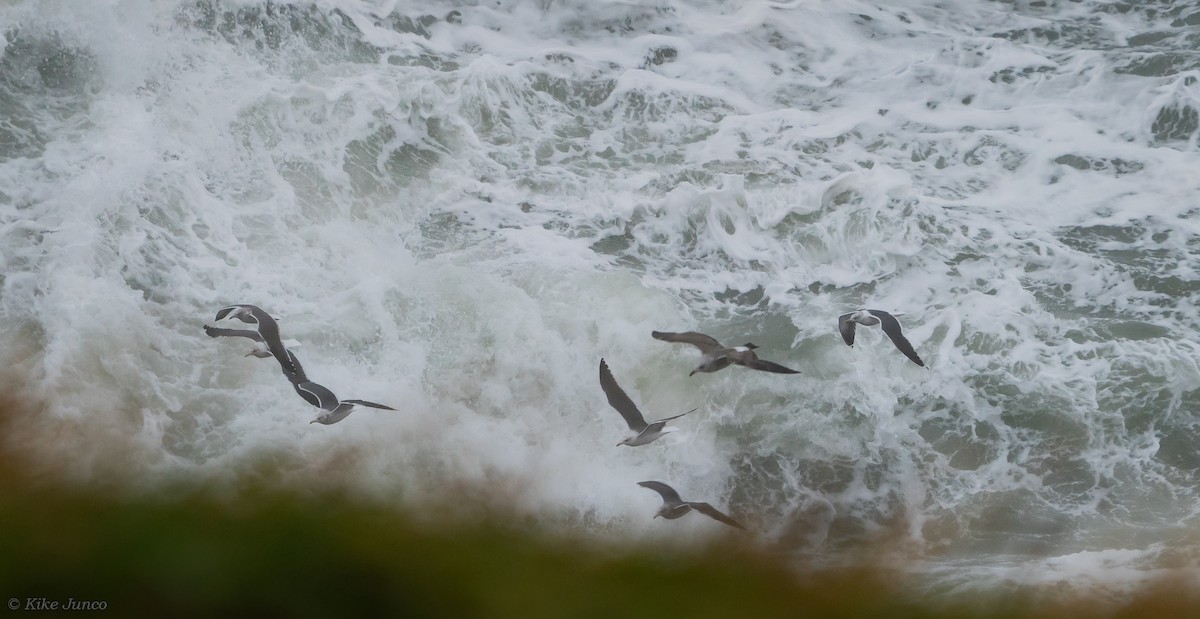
{"x":268,"y":329}
{"x":268,"y":344}
{"x":333,"y":410}
{"x":260,"y":345}
{"x":646,"y":432}
{"x":889,"y":324}
{"x":714,"y":356}
{"x":674,"y":507}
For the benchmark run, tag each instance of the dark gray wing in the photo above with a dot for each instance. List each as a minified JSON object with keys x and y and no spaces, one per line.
{"x":294,"y":371}
{"x":667,"y":493}
{"x":317,"y":395}
{"x":658,"y":425}
{"x":269,"y":330}
{"x":618,"y":400}
{"x":846,"y":328}
{"x":767,"y":366}
{"x":705,"y":343}
{"x":224,"y":311}
{"x":291,"y":368}
{"x":714,"y":513}
{"x":891,"y":327}
{"x":219,"y":332}
{"x":289,"y":363}
{"x":371,"y":404}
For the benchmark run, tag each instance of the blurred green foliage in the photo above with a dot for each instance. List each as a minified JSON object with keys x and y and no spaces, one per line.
{"x":281,"y":554}
{"x":265,"y":551}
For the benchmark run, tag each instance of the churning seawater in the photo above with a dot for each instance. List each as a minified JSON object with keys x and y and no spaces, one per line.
{"x":458,"y":208}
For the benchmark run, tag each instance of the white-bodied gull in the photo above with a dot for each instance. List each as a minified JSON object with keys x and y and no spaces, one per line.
{"x":268,"y":329}
{"x":260,"y":345}
{"x":268,"y":344}
{"x":674,"y":507}
{"x":333,"y":410}
{"x":890,"y":326}
{"x":714,"y":356}
{"x":646,"y":432}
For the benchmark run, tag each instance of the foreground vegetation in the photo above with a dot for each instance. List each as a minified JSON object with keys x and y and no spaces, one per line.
{"x":269,"y":552}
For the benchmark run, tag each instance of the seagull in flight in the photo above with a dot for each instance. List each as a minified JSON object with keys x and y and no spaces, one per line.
{"x":714,"y":356}
{"x":268,"y":330}
{"x":268,"y":344}
{"x":890,"y":326}
{"x":674,"y":507}
{"x":645,"y":432}
{"x":333,"y":410}
{"x":260,"y":345}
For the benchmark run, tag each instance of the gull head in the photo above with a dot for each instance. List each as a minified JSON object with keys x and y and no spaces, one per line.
{"x":241,"y":313}
{"x":863,"y":317}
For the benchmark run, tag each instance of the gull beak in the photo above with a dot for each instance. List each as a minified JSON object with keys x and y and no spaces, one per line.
{"x":313,"y":421}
